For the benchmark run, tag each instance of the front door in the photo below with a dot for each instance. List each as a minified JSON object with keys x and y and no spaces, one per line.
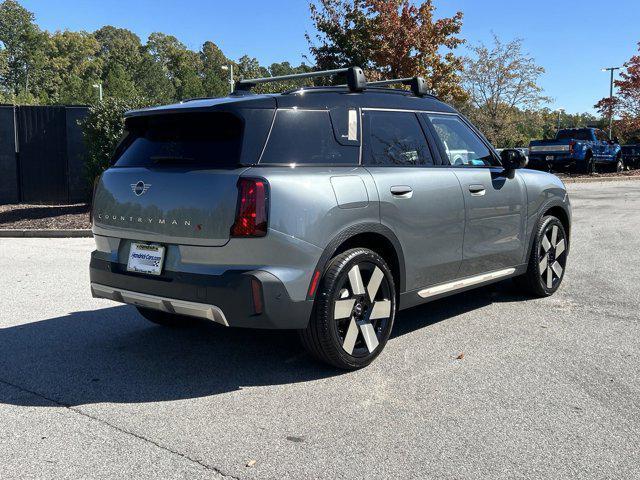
{"x":419,"y":200}
{"x":495,"y":205}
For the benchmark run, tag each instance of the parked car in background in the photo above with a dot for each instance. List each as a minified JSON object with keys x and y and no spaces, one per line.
{"x":584,"y":150}
{"x":631,"y":155}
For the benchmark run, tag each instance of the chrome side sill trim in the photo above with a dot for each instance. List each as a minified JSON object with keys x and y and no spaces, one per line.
{"x":169,"y":305}
{"x":465,"y":282}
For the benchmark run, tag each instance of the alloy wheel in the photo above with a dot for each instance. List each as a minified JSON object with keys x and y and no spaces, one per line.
{"x":552,"y":256}
{"x":362,"y":309}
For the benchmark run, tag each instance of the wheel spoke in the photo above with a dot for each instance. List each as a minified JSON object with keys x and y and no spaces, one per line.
{"x":381,"y":309}
{"x":343,"y":308}
{"x":351,"y":337}
{"x":545,"y":243}
{"x":560,"y":248}
{"x":557,"y":268}
{"x":543,"y":264}
{"x":554,"y":235}
{"x":374,"y":283}
{"x":355,"y":279}
{"x":549,"y":277}
{"x":369,"y":335}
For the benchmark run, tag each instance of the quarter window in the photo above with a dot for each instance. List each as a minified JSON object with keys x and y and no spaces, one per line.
{"x":396,"y":139}
{"x":306,"y":137}
{"x":462,"y":146}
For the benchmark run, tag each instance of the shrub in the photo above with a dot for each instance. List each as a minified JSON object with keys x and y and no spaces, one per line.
{"x":103,"y":128}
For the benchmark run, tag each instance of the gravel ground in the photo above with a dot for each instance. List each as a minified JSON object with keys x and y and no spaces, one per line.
{"x":48,"y":217}
{"x":546,"y":388}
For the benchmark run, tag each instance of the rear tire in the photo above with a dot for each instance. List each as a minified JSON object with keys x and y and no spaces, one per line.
{"x":547,"y":260}
{"x":619,"y":165}
{"x":165,"y":319}
{"x":354,"y":311}
{"x":589,"y":166}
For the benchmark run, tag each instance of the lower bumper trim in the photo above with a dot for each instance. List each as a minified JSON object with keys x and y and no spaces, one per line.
{"x":169,"y":305}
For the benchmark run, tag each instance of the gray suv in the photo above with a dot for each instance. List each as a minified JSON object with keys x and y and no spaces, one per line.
{"x":320,"y":209}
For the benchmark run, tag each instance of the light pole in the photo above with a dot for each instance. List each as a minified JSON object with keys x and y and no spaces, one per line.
{"x":99,"y":87}
{"x":611,"y":69}
{"x":560,"y":110}
{"x":230,"y":68}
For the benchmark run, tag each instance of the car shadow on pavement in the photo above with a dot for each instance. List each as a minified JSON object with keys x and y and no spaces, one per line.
{"x":113,"y":355}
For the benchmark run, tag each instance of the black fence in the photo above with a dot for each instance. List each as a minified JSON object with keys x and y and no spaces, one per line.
{"x":42,"y":155}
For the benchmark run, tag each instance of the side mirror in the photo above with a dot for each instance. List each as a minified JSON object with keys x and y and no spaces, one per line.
{"x":512,"y":159}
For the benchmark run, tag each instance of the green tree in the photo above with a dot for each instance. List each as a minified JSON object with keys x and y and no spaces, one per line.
{"x":23,"y":48}
{"x":152,"y":81}
{"x":215,"y":80}
{"x":120,"y":54}
{"x":502,"y":82}
{"x":72,"y":67}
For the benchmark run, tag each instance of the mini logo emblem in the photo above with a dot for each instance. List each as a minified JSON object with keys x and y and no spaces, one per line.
{"x":140,"y":188}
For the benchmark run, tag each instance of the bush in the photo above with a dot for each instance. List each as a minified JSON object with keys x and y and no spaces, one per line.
{"x":103,"y":128}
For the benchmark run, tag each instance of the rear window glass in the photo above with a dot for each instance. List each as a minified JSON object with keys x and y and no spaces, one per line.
{"x":574,"y":135}
{"x":306,"y":137}
{"x":194,"y":139}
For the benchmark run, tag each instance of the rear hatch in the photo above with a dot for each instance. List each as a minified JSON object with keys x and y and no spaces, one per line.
{"x":174,"y":177}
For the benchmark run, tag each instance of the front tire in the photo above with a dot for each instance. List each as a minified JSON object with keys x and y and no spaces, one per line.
{"x":547,"y":260}
{"x":354,"y":310}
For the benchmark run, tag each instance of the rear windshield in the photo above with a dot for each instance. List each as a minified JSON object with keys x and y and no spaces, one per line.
{"x":211,"y":139}
{"x":584,"y":134}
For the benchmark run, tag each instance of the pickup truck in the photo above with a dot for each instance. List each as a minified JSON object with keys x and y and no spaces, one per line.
{"x":582,"y":149}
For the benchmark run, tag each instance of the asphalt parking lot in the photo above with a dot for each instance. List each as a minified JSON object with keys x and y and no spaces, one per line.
{"x":485,"y":384}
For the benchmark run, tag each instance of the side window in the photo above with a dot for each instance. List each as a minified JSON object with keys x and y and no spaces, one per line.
{"x":396,"y":139}
{"x":306,"y":137}
{"x":462,"y":146}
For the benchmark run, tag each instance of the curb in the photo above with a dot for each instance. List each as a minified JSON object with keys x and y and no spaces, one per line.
{"x":45,"y":233}
{"x":599,"y":179}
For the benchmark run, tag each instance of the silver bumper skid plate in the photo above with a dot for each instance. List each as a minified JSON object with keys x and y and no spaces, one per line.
{"x":169,"y":305}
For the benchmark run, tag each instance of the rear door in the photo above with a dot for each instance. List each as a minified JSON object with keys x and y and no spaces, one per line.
{"x":419,"y":200}
{"x":495,"y":205}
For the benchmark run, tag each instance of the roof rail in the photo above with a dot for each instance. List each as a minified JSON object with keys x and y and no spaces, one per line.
{"x":356,"y":80}
{"x":417,"y":84}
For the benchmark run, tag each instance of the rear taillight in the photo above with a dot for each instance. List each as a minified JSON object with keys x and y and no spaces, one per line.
{"x":571,"y":145}
{"x":251,"y":212}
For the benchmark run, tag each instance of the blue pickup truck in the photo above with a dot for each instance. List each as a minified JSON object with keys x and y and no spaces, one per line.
{"x":584,"y":150}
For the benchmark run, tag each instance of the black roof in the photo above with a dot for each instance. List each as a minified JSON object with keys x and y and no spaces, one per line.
{"x":311,"y":98}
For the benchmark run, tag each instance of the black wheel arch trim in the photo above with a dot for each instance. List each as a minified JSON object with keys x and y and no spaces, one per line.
{"x":553,"y":203}
{"x":359,"y":229}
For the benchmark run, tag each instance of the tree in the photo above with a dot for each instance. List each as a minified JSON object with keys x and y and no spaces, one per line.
{"x":22,"y":45}
{"x":215,"y":80}
{"x":120,"y":54}
{"x":502,"y":82}
{"x":626,"y":105}
{"x":390,"y":38}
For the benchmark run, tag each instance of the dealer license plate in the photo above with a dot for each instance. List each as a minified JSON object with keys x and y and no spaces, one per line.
{"x":549,"y":157}
{"x":145,"y":258}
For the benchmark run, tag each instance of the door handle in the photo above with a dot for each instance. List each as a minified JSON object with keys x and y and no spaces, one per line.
{"x":477,"y":190}
{"x":404,"y":191}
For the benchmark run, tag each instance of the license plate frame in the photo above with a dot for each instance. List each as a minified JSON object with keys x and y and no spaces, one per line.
{"x":146,"y":258}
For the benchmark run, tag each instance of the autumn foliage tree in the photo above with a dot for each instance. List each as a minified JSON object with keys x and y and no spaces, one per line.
{"x":626,"y":104}
{"x":389,"y":39}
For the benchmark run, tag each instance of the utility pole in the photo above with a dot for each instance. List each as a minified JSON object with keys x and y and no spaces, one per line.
{"x":560,"y":110}
{"x":611,"y":69}
{"x":231,"y":82}
{"x":99,"y":87}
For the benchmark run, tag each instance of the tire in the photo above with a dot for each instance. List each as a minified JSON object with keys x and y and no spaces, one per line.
{"x":164,"y":318}
{"x":354,"y":311}
{"x":589,"y":166}
{"x":547,"y":260}
{"x":619,"y":165}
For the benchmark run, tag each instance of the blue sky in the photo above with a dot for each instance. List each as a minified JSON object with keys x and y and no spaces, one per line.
{"x":571,"y":39}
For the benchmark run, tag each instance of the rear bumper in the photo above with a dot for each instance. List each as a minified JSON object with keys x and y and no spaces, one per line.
{"x":540,"y":162}
{"x":236,"y":298}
